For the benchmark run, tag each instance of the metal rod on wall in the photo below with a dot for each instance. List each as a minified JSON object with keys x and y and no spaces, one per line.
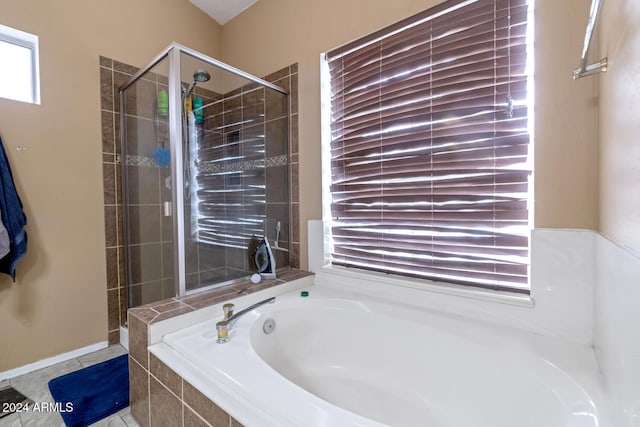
{"x":597,"y":67}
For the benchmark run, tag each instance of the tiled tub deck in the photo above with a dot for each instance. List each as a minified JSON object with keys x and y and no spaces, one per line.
{"x":160,"y":397}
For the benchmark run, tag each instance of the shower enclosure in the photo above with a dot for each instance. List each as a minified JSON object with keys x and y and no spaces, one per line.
{"x":204,"y":174}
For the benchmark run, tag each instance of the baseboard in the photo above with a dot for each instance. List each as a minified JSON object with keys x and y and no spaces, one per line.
{"x":44,"y":363}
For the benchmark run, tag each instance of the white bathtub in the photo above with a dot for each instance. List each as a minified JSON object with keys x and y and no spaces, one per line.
{"x":336,"y":361}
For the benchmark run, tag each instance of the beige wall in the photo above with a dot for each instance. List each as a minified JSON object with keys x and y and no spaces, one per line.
{"x":58,"y":303}
{"x":620,"y":123}
{"x":274,"y":33}
{"x":566,"y":120}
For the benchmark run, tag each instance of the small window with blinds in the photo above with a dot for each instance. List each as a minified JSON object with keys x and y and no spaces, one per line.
{"x":427,"y":149}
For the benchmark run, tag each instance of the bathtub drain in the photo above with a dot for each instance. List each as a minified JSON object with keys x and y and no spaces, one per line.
{"x":269,"y":326}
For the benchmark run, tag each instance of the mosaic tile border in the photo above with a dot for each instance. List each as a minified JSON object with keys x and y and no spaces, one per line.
{"x":143,"y":161}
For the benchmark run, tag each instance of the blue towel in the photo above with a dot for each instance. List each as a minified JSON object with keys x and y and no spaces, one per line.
{"x":13,"y":217}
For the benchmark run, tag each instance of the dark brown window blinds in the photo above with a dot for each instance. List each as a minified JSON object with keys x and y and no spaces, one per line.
{"x":430,"y":144}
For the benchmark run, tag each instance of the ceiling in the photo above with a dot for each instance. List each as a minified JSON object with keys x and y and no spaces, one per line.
{"x":223,"y":10}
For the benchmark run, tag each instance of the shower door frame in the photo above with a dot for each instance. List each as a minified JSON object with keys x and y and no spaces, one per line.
{"x":172,"y":52}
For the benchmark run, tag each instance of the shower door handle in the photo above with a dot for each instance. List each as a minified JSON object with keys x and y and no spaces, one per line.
{"x":168,"y":209}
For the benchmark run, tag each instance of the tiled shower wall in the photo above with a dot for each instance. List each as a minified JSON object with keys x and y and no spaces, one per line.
{"x":157,"y":283}
{"x":242,"y":176}
{"x":277,"y":177}
{"x":113,"y":74}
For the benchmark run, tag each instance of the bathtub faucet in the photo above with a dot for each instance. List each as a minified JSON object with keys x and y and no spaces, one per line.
{"x":224,"y":326}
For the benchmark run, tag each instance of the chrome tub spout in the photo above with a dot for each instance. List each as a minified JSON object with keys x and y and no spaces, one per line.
{"x":224,"y":326}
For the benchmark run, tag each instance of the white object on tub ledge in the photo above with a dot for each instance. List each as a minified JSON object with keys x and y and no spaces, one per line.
{"x":336,"y":361}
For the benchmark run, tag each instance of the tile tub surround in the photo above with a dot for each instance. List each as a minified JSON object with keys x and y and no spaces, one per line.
{"x":159,"y":397}
{"x":112,"y":75}
{"x":617,"y":296}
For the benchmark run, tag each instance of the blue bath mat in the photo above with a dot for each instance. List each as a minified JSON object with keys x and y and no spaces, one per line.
{"x":92,"y":393}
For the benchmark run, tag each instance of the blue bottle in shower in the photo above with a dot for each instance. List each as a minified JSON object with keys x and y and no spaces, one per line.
{"x":197,"y":110}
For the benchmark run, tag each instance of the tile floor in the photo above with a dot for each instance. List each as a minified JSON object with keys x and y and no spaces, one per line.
{"x":34,"y":386}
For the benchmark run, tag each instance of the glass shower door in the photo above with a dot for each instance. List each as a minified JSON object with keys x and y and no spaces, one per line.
{"x":236,"y":144}
{"x":204,"y":175}
{"x":218,"y":212}
{"x":147,"y":224}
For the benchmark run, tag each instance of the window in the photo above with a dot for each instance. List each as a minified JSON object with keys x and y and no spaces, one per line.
{"x":19,"y":75}
{"x":427,"y":146}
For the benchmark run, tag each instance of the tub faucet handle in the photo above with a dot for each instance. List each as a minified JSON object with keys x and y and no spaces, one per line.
{"x":228,"y":310}
{"x":223,"y":331}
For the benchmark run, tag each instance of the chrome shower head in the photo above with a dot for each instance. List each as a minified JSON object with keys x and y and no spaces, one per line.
{"x":199,"y":76}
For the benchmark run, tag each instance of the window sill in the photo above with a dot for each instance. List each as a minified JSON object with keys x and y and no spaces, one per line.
{"x":362,"y":281}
